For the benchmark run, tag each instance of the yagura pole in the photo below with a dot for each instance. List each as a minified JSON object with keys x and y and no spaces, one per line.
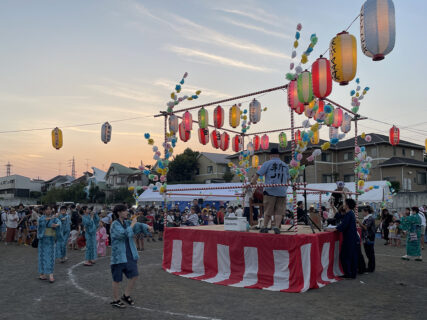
{"x":294,"y":190}
{"x":165,"y":205}
{"x":356,"y":209}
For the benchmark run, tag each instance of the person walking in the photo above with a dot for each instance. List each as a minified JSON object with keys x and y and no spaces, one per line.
{"x":90,"y":222}
{"x":412,"y":224}
{"x":12,"y":219}
{"x":368,"y":237}
{"x":422,"y":214}
{"x":124,"y":256}
{"x":276,"y":172}
{"x":48,"y":231}
{"x":386,"y":219}
{"x":61,"y":244}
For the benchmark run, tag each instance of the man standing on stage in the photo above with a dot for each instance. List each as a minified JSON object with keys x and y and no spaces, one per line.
{"x":275,"y":172}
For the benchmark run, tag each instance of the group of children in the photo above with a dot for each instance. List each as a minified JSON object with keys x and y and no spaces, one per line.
{"x":394,"y":233}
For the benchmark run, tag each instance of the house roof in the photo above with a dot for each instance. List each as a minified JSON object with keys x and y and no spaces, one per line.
{"x":396,"y":161}
{"x":376,"y":139}
{"x":218,"y":158}
{"x":60,"y":179}
{"x":121,"y":169}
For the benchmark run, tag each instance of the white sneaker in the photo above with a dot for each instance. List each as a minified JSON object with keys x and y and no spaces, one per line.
{"x":405,"y":257}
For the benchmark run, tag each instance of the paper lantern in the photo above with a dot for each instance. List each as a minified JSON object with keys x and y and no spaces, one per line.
{"x":256,"y":142}
{"x":254,"y":111}
{"x":394,"y":136}
{"x":215,"y":139}
{"x":265,"y":142}
{"x":319,"y":115}
{"x":203,"y":116}
{"x":297,"y":136}
{"x":225,"y":141}
{"x":57,"y":138}
{"x":343,"y":56}
{"x":106,"y":132}
{"x":250,"y":148}
{"x":346,"y":123}
{"x":236,"y":144}
{"x":305,"y":87}
{"x":377,"y":28}
{"x":329,"y":119}
{"x":300,"y":108}
{"x":293,"y":101}
{"x":315,"y":138}
{"x":187,"y":121}
{"x":218,"y":117}
{"x":173,"y":123}
{"x":255,"y":161}
{"x":203,"y":136}
{"x":184,"y":135}
{"x":333,"y":133}
{"x":283,"y":140}
{"x":322,"y":78}
{"x":338,"y":114}
{"x":234,"y":116}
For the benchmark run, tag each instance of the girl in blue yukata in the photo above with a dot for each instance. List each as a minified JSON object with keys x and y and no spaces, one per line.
{"x":90,"y":222}
{"x":48,"y":231}
{"x":124,"y":256}
{"x":61,"y":245}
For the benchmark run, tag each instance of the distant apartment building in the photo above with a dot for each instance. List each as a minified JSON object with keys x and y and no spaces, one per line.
{"x":15,"y":189}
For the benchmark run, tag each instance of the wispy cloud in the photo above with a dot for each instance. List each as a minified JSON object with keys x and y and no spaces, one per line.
{"x":206,"y":92}
{"x":34,"y":156}
{"x":257,"y":28}
{"x":196,"y":32}
{"x":256,"y":14}
{"x":126,"y":92}
{"x":218,"y":59}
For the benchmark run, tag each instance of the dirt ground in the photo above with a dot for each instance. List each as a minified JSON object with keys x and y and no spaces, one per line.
{"x":398,"y":289}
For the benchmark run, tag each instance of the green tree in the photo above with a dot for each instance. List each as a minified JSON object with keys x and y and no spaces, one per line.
{"x":96,"y":195}
{"x":122,"y":195}
{"x":183,"y":167}
{"x":395,"y":185}
{"x":228,"y":176}
{"x":74,"y":193}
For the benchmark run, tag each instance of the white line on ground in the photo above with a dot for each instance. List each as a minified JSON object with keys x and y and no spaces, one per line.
{"x":106,"y":299}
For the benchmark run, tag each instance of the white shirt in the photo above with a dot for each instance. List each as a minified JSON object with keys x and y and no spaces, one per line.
{"x":230,"y":215}
{"x":423,"y":218}
{"x":108,"y":218}
{"x":170,"y":219}
{"x":239,"y":212}
{"x":73,"y":235}
{"x":12,"y":220}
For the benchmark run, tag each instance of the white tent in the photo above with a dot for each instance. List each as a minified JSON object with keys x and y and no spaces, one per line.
{"x":379,"y":194}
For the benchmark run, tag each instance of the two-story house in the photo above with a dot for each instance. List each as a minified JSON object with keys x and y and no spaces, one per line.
{"x":117,"y":176}
{"x":212,"y":167}
{"x":403,"y":163}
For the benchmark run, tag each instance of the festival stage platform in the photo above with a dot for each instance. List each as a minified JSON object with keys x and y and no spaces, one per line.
{"x":287,"y":262}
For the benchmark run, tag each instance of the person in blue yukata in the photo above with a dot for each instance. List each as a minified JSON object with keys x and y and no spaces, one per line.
{"x":61,"y":245}
{"x":48,"y":231}
{"x":349,"y":254}
{"x":90,"y":222}
{"x":276,"y":172}
{"x":124,"y":256}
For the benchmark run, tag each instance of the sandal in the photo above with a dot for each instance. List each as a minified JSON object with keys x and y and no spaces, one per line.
{"x":118,"y":304}
{"x":51,"y":280}
{"x":88,"y":264}
{"x":128,"y":300}
{"x":42,"y":278}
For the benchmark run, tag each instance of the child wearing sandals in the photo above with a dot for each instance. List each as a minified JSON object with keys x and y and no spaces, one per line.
{"x":124,"y":256}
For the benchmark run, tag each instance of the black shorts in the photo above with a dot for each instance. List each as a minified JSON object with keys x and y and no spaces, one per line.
{"x":130,"y":269}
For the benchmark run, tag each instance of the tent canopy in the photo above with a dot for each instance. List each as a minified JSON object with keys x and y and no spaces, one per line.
{"x":234,"y":194}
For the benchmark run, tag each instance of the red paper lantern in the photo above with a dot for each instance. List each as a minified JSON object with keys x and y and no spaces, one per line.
{"x":300,"y":108}
{"x":257,"y":143}
{"x":218,"y":117}
{"x":321,"y":77}
{"x":297,"y":136}
{"x":215,"y":139}
{"x":203,"y":136}
{"x":184,"y":135}
{"x":187,"y":120}
{"x":337,"y":118}
{"x":320,"y":110}
{"x":293,"y":101}
{"x":237,"y":143}
{"x":225,"y":141}
{"x":264,"y":142}
{"x":394,"y":136}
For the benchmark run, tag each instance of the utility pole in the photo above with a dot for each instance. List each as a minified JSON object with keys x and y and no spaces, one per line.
{"x":8,"y":166}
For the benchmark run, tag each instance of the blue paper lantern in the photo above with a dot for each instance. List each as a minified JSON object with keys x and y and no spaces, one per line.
{"x":377,"y":28}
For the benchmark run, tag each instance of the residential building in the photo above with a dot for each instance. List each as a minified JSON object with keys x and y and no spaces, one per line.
{"x":15,"y":189}
{"x":57,"y":182}
{"x":117,"y":176}
{"x":212,"y":167}
{"x":403,"y":163}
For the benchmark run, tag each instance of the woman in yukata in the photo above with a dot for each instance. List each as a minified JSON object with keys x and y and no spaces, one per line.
{"x":90,"y":222}
{"x":48,"y":231}
{"x":61,"y":245}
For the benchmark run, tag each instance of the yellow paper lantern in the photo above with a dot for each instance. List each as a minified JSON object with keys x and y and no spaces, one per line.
{"x":57,"y":138}
{"x":255,"y":161}
{"x":234,"y":116}
{"x":426,"y":144}
{"x":315,"y":138}
{"x":343,"y":56}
